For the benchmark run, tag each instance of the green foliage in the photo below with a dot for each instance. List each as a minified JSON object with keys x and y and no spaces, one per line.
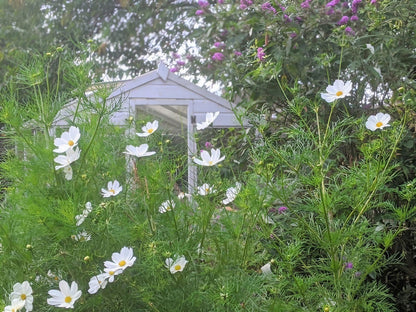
{"x":324,"y":202}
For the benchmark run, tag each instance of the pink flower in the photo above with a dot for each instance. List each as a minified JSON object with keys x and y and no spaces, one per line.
{"x":349,"y":31}
{"x":219,"y":44}
{"x":208,"y":145}
{"x":218,"y":56}
{"x":220,"y":1}
{"x":282,"y":209}
{"x":244,"y":4}
{"x":199,"y":12}
{"x":344,"y":20}
{"x":175,"y":55}
{"x":332,"y":3}
{"x":260,"y":54}
{"x":330,"y":11}
{"x":348,"y":265}
{"x":203,"y":3}
{"x":180,"y":63}
{"x":354,"y":6}
{"x":174,"y":70}
{"x":354,"y":18}
{"x":268,"y":7}
{"x":305,"y":4}
{"x":373,"y":2}
{"x":237,"y":53}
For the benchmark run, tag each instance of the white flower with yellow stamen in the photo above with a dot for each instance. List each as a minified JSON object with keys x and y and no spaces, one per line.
{"x":337,"y":91}
{"x":205,"y":189}
{"x":81,"y":237}
{"x":121,"y":261}
{"x":167,"y":205}
{"x":209,"y":160}
{"x":149,"y":128}
{"x":68,"y":140}
{"x":65,"y":297}
{"x":209,"y":119}
{"x":138,"y":151}
{"x":23,"y":292}
{"x":176,"y":265}
{"x":113,"y":188}
{"x":16,"y":305}
{"x":232,"y":193}
{"x":98,"y":282}
{"x":378,"y":121}
{"x":66,"y":160}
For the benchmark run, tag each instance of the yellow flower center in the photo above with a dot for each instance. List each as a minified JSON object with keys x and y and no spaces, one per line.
{"x":177,"y":267}
{"x":150,"y":130}
{"x":71,"y":143}
{"x":112,"y":191}
{"x":23,"y":296}
{"x":68,"y":299}
{"x":210,"y":162}
{"x":207,"y":190}
{"x":339,"y":93}
{"x":111,"y":272}
{"x":379,"y":124}
{"x":122,"y":263}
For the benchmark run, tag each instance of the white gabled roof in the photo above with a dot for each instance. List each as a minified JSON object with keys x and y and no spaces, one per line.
{"x":163,"y":74}
{"x":161,"y":88}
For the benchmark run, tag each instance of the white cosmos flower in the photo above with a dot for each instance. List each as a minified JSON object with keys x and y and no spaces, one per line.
{"x":210,"y":160}
{"x":68,"y":140}
{"x":205,"y":189}
{"x":65,"y":297}
{"x":209,"y":119}
{"x":149,"y":128}
{"x":66,"y":160}
{"x":336,"y":91}
{"x":182,"y":195}
{"x":167,"y":205}
{"x":111,"y":272}
{"x":68,"y":172}
{"x":16,"y":305}
{"x":113,"y":188}
{"x":23,"y":292}
{"x":88,"y":207}
{"x":98,"y":282}
{"x":120,"y":261}
{"x":266,"y":269}
{"x":231,"y":193}
{"x":378,"y":121}
{"x":81,"y":217}
{"x":81,"y":237}
{"x":176,"y":266}
{"x":140,"y":151}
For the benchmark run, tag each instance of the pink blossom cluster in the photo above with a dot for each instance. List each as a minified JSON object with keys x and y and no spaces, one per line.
{"x":268,"y":7}
{"x":218,"y":56}
{"x":179,"y":63}
{"x":244,"y":4}
{"x":260,"y":54}
{"x":203,"y":4}
{"x":306,"y":4}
